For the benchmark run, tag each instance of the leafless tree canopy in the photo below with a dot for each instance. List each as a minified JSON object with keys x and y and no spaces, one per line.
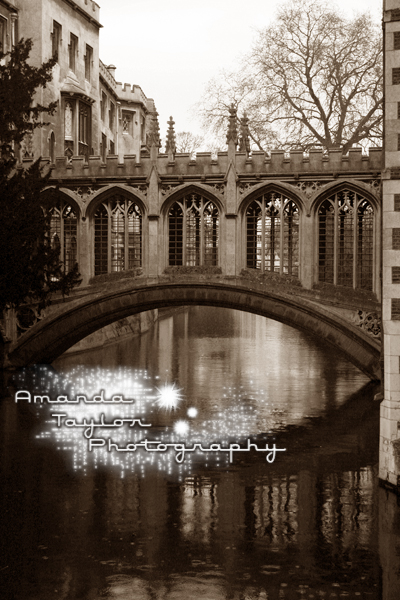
{"x":312,"y":79}
{"x":188,"y":142}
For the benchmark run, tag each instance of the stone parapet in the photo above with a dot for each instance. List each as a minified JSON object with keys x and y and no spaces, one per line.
{"x":107,"y":76}
{"x":89,"y":7}
{"x":260,"y":163}
{"x":131,"y":93}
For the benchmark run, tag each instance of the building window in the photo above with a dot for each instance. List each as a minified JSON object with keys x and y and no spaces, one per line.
{"x":346,"y":233}
{"x":55,"y":40}
{"x":3,"y":34}
{"x":72,"y":51}
{"x":103,"y":106}
{"x":68,"y":130}
{"x":52,"y":147}
{"x":193,"y":226}
{"x":63,"y":233}
{"x":88,"y":62}
{"x":103,"y":149}
{"x":272,"y":234}
{"x":84,"y":129}
{"x":111,"y":115}
{"x":117,"y":235}
{"x":112,"y":147}
{"x":127,"y":123}
{"x":142,"y":130}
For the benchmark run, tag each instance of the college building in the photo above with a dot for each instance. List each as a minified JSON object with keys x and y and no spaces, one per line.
{"x":96,"y":115}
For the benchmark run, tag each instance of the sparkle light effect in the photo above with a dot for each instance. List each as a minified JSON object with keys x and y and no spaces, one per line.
{"x":169,"y":396}
{"x":232,"y":416}
{"x":181,"y":427}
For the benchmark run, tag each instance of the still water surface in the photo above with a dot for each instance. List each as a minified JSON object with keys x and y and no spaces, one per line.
{"x":82,"y":525}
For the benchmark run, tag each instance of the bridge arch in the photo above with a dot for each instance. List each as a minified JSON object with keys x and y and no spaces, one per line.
{"x":52,"y":336}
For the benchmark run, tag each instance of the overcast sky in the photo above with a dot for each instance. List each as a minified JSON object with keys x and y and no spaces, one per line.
{"x":172,"y":49}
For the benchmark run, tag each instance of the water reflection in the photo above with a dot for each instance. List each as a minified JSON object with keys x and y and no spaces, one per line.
{"x":305,"y":526}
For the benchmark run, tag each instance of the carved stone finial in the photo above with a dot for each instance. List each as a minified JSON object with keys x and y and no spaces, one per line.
{"x":244,"y":140}
{"x":232,"y":131}
{"x":154,"y":135}
{"x":170,"y":146}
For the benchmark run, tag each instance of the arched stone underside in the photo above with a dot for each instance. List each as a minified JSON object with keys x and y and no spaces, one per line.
{"x":52,"y":336}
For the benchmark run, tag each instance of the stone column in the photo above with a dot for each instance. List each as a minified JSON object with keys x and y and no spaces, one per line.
{"x":389,"y":451}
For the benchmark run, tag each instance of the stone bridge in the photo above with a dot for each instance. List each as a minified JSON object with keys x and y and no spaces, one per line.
{"x":295,"y":237}
{"x":353,"y":332}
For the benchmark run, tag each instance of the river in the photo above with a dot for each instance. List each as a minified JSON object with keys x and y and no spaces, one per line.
{"x":278,"y":500}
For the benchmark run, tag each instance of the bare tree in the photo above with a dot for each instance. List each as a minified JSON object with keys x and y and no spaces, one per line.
{"x":312,"y":79}
{"x":188,"y":142}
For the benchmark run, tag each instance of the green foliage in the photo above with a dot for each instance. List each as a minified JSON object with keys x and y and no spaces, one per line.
{"x":31,"y":269}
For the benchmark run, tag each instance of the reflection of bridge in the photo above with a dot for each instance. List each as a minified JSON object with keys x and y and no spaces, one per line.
{"x":296,"y":238}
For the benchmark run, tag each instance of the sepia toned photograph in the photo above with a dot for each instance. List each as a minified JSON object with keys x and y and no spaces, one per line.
{"x":199,"y":311}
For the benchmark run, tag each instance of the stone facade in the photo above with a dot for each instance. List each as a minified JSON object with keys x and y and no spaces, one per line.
{"x":93,"y":108}
{"x":390,"y":408}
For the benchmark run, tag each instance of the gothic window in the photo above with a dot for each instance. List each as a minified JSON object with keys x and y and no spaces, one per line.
{"x":117,"y":235}
{"x":72,"y":51}
{"x":52,"y":147}
{"x":193,"y":232}
{"x":127,"y":123}
{"x":272,"y":234}
{"x":63,"y":233}
{"x":103,"y":148}
{"x":346,"y":231}
{"x":103,"y":105}
{"x":55,"y":39}
{"x":84,"y":129}
{"x":111,"y":115}
{"x":142,"y":129}
{"x":88,"y":62}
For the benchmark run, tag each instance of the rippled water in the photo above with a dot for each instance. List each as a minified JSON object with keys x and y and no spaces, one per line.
{"x":82,"y":524}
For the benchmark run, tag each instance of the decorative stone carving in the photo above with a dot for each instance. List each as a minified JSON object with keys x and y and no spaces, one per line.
{"x":217,"y":187}
{"x":154,"y":134}
{"x":142,"y":188}
{"x":232,"y":130}
{"x":244,"y":187}
{"x":167,"y":188}
{"x":85,"y":192}
{"x":27,"y":316}
{"x":370,"y":322}
{"x":170,"y":146}
{"x":309,"y":187}
{"x":244,"y":140}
